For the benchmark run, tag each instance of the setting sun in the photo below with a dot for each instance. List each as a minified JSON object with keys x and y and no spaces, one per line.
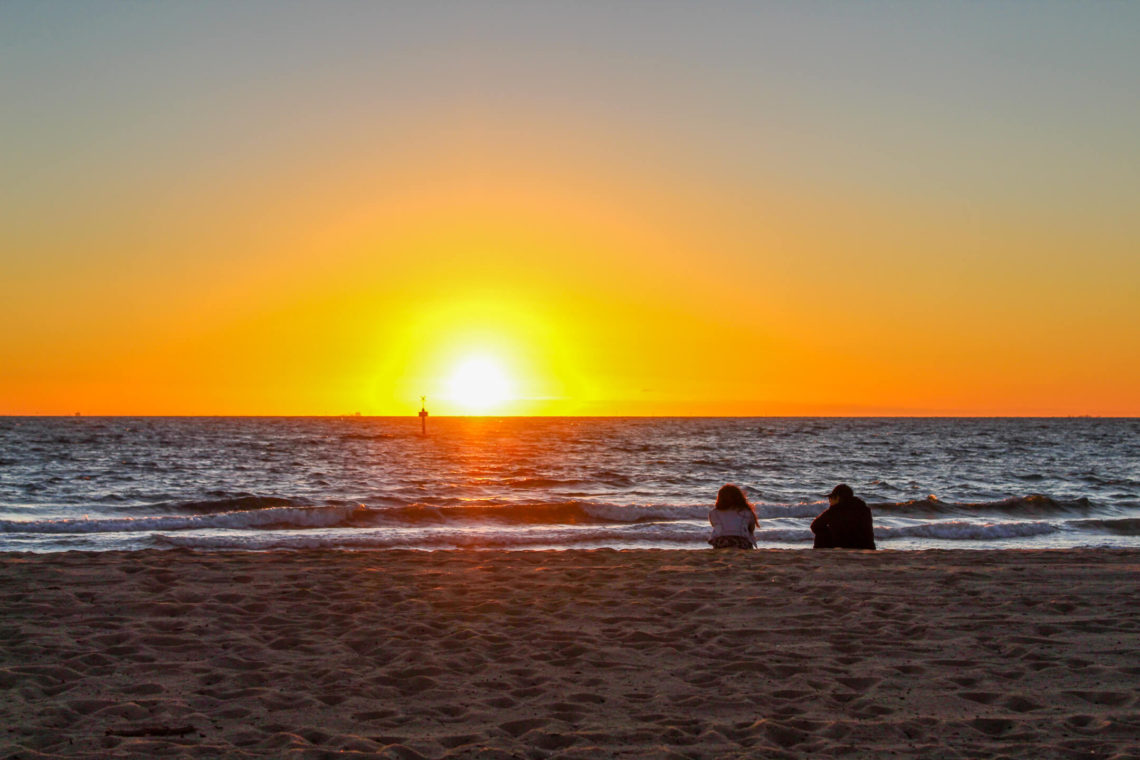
{"x":479,"y":384}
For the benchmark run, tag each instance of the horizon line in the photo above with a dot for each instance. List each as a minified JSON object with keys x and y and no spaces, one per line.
{"x":414,"y":416}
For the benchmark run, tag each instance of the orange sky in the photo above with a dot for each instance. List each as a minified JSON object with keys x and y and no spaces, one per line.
{"x":298,"y":218}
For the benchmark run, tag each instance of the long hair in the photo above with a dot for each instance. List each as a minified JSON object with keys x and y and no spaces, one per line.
{"x":731,"y":497}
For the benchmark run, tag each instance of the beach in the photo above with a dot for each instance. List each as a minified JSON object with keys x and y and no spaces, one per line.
{"x":648,"y":653}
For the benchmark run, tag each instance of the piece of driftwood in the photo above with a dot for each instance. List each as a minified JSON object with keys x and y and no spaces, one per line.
{"x":150,"y":730}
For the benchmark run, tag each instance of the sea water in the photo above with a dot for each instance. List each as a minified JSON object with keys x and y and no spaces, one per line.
{"x":538,"y":483}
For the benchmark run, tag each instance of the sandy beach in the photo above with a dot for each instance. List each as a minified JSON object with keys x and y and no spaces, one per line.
{"x":571,"y":654}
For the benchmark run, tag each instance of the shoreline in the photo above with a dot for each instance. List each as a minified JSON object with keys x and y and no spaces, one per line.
{"x":570,"y":653}
{"x":693,"y":548}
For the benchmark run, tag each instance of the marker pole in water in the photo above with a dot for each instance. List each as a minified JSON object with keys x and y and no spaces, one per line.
{"x":423,"y":415}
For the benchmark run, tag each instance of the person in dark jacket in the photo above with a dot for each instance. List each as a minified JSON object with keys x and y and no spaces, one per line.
{"x":845,"y":524}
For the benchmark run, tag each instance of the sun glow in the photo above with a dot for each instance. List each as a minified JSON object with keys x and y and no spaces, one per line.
{"x":479,"y":384}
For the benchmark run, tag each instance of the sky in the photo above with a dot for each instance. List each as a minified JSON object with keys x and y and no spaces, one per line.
{"x":636,"y":208}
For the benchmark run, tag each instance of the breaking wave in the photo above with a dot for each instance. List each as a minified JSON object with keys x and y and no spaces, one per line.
{"x":1126,"y":526}
{"x":961,"y":530}
{"x":955,"y":530}
{"x":235,"y":503}
{"x":657,"y":535}
{"x":268,"y":518}
{"x":361,"y":516}
{"x":395,"y":541}
{"x":1032,"y":504}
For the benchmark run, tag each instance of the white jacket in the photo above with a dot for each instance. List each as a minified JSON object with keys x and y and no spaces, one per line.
{"x":731,"y":522}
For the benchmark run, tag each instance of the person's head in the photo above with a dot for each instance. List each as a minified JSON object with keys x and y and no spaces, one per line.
{"x":731,"y":497}
{"x":840,"y":493}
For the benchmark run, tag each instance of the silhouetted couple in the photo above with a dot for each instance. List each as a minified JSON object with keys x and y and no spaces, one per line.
{"x":845,"y":524}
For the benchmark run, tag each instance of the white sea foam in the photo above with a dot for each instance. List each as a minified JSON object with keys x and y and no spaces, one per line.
{"x":962,"y":530}
{"x":294,"y":517}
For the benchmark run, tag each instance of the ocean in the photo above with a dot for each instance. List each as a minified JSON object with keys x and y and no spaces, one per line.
{"x":115,"y":483}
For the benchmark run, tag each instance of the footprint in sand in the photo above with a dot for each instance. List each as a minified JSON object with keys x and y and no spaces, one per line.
{"x":981,"y":697}
{"x":400,"y":752}
{"x":143,"y":689}
{"x":910,"y":670}
{"x":992,"y":726}
{"x":286,"y":702}
{"x":792,"y":695}
{"x":459,"y":740}
{"x":130,"y":711}
{"x":166,"y":641}
{"x":786,"y":711}
{"x":517,"y":728}
{"x":571,"y":651}
{"x":550,"y":741}
{"x":1108,"y":698}
{"x":858,"y":684}
{"x":749,"y":666}
{"x":571,"y":714}
{"x":1020,"y":704}
{"x":586,"y":698}
{"x":685,"y":608}
{"x":501,"y":703}
{"x":233,"y":713}
{"x":784,"y":734}
{"x":452,"y":712}
{"x":88,"y":706}
{"x":371,"y":715}
{"x":362,"y":646}
{"x":389,"y":740}
{"x":1086,"y":724}
{"x":786,"y":671}
{"x":417,"y":685}
{"x":953,"y":664}
{"x":638,"y":696}
{"x":112,"y":639}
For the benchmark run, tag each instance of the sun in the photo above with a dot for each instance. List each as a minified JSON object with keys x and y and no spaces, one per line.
{"x":479,"y":384}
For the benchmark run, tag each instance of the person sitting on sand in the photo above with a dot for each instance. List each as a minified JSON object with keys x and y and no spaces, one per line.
{"x":845,"y":524}
{"x":733,"y":520}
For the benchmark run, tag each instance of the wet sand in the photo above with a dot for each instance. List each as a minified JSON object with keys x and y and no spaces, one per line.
{"x":694,"y":654}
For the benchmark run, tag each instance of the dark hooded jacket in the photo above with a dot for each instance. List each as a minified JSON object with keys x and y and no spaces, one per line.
{"x":847,"y":525}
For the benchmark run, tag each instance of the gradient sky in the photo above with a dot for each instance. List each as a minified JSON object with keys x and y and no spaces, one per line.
{"x":634,"y":208}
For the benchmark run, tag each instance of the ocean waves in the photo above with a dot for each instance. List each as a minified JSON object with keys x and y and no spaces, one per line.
{"x":270,"y":517}
{"x":227,"y":503}
{"x":1031,"y":504}
{"x":1125,"y":526}
{"x":524,"y":508}
{"x":113,"y":483}
{"x":281,"y":522}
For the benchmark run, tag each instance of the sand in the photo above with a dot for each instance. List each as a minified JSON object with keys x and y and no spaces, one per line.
{"x":695,"y":654}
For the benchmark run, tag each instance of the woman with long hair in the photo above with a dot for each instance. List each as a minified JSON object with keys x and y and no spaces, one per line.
{"x":733,"y":520}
